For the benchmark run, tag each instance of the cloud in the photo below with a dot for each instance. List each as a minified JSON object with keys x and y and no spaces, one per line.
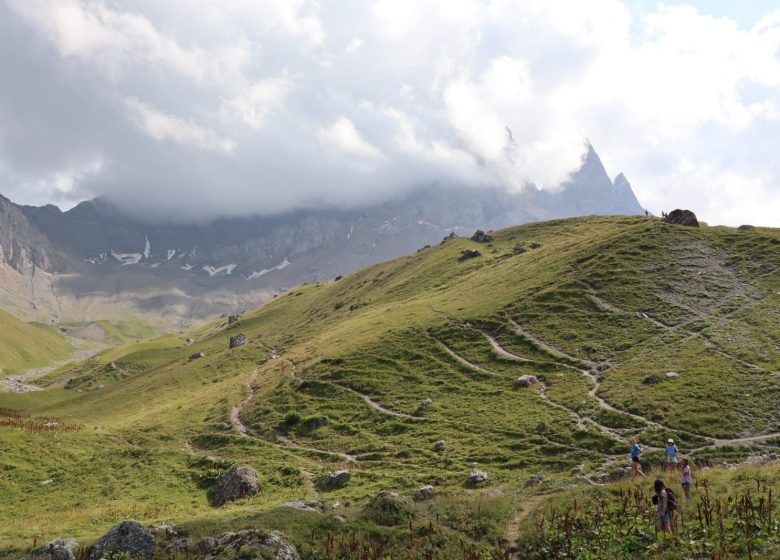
{"x":267,"y":107}
{"x":344,"y":136}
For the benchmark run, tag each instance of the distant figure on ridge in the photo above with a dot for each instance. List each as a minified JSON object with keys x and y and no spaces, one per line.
{"x":636,"y":466}
{"x":686,"y":478}
{"x":671,"y":455}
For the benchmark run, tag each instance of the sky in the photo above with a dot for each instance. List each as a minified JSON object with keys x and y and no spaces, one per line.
{"x":193,"y":109}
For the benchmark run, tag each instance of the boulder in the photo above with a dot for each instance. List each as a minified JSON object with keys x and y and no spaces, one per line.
{"x":253,"y":543}
{"x":640,"y":315}
{"x":389,"y":508}
{"x":439,"y":445}
{"x":129,"y":537}
{"x":518,"y":249}
{"x":541,"y":427}
{"x":535,"y":480}
{"x":197,"y":355}
{"x":681,"y":218}
{"x":233,"y":319}
{"x":536,"y":245}
{"x":58,"y":549}
{"x":426,"y":404}
{"x":526,"y":380}
{"x":205,"y":546}
{"x":336,"y":479}
{"x":481,"y":237}
{"x":477,"y":476}
{"x":424,"y":493}
{"x":237,"y":340}
{"x":302,"y":506}
{"x":165,"y":530}
{"x":469,"y":254}
{"x":189,"y":341}
{"x":234,"y":484}
{"x":319,"y":422}
{"x":448,"y":237}
{"x":672,"y":374}
{"x":746,"y":227}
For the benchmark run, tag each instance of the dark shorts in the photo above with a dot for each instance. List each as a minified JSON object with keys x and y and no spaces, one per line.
{"x":686,"y":484}
{"x":635,"y":460}
{"x":665,"y":517}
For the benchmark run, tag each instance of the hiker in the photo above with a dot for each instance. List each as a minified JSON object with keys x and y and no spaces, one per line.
{"x":636,"y":467}
{"x":647,"y":214}
{"x":665,"y":503}
{"x":686,"y":478}
{"x":671,"y":456}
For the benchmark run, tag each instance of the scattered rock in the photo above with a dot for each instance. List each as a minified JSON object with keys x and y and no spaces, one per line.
{"x":337,"y":278}
{"x":234,"y":484}
{"x":129,"y":537}
{"x":48,"y":480}
{"x":535,"y":480}
{"x":681,"y":218}
{"x":205,"y":545}
{"x":237,"y":340}
{"x":389,"y":508}
{"x":640,"y":315}
{"x":113,"y":366}
{"x":197,"y":355}
{"x":526,"y":380}
{"x":189,"y":341}
{"x":252,"y":543}
{"x":336,"y":479}
{"x":425,"y":405}
{"x":481,"y":237}
{"x":536,"y":245}
{"x":672,"y":374}
{"x":319,"y":422}
{"x":165,"y":529}
{"x":746,"y":227}
{"x":340,"y":518}
{"x":439,"y":445}
{"x":477,"y":476}
{"x":519,"y":249}
{"x":541,"y":427}
{"x":302,"y":506}
{"x":233,"y":319}
{"x":448,"y":237}
{"x":58,"y":549}
{"x":469,"y":254}
{"x":578,"y":469}
{"x":424,"y":493}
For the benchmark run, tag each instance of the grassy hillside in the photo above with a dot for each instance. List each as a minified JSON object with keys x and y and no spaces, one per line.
{"x":600,"y":310}
{"x":25,"y":346}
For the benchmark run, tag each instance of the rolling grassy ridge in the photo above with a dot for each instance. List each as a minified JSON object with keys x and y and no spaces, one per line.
{"x":598,"y":309}
{"x":25,"y":346}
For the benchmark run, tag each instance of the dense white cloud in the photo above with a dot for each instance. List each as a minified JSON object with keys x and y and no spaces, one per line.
{"x":235,"y":106}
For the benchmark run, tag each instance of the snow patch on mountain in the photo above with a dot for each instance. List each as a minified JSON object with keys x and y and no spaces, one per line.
{"x":188,"y":267}
{"x":284,"y":264}
{"x":225,"y":270}
{"x":171,"y":254}
{"x":127,"y":258}
{"x":147,"y":248}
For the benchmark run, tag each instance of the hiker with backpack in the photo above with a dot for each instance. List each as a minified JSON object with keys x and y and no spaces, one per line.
{"x":671,"y":455}
{"x":686,"y":478}
{"x":636,"y":466}
{"x":665,"y":502}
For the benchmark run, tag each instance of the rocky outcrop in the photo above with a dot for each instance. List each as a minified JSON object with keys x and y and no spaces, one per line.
{"x":197,"y":356}
{"x":129,"y":537}
{"x":251,"y":543}
{"x":477,"y":476}
{"x":335,"y":480}
{"x":389,"y":508}
{"x":439,"y":445}
{"x":681,"y":218}
{"x":58,"y":549}
{"x":526,"y":380}
{"x":234,"y":484}
{"x":469,"y":254}
{"x":237,"y":340}
{"x":425,"y":405}
{"x":317,"y":423}
{"x":233,"y":319}
{"x":481,"y":237}
{"x":424,"y":493}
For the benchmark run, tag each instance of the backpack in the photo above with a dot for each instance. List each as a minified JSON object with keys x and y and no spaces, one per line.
{"x":671,"y":500}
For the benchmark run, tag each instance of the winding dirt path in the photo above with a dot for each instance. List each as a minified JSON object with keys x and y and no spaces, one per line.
{"x":465,"y":362}
{"x":512,"y":534}
{"x":373,"y":404}
{"x":235,"y":413}
{"x":287,"y":442}
{"x":503,"y":353}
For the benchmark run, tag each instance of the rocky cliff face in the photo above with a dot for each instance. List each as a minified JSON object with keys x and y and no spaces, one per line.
{"x":195,"y":271}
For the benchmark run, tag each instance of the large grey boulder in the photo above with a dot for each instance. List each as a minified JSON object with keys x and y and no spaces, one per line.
{"x":234,"y":484}
{"x":526,"y":380}
{"x":477,"y":476}
{"x":424,"y":493}
{"x":58,"y":549}
{"x":481,"y":237}
{"x":336,"y":479}
{"x":237,"y":340}
{"x":129,"y":537}
{"x":272,"y":545}
{"x":681,"y":218}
